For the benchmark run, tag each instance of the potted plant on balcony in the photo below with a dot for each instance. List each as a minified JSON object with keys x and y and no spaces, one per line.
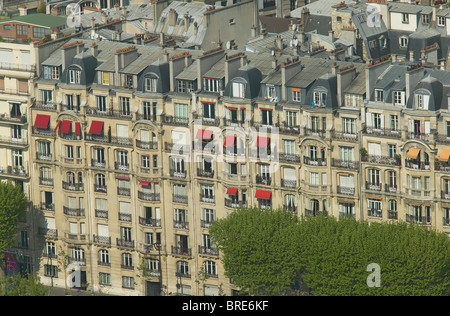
{"x":363,"y":153}
{"x":398,"y":159}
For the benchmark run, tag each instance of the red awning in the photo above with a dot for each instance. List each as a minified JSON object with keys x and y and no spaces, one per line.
{"x":144,"y":183}
{"x":262,"y":194}
{"x":42,"y":121}
{"x":229,"y":141}
{"x":96,"y":127}
{"x":204,"y":134}
{"x":77,"y":128}
{"x":65,"y":127}
{"x":57,"y":125}
{"x":232,"y":191}
{"x":262,"y":141}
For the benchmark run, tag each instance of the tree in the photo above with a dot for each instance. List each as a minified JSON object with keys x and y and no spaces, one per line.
{"x":41,"y":8}
{"x":271,"y":252}
{"x":13,"y":204}
{"x":259,"y":249}
{"x":19,"y":285}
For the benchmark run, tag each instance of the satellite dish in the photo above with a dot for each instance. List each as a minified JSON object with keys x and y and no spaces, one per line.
{"x":228,"y":45}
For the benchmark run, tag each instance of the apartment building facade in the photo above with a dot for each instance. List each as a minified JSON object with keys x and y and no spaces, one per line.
{"x":135,"y":150}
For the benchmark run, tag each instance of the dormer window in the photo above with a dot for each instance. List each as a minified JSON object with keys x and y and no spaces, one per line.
{"x":212,"y":85}
{"x":405,"y":18}
{"x":441,"y":20}
{"x":186,"y":86}
{"x":319,"y":98}
{"x":398,"y":98}
{"x":422,"y":101}
{"x":104,"y":78}
{"x":403,"y":41}
{"x":271,"y":92}
{"x":150,"y":83}
{"x":74,"y":76}
{"x":238,"y":90}
{"x":128,"y":81}
{"x":379,"y":95}
{"x":425,"y":18}
{"x":51,"y":72}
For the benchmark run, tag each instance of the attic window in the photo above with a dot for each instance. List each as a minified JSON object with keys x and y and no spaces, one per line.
{"x":441,"y":20}
{"x":319,"y":98}
{"x":74,"y":76}
{"x":425,"y":19}
{"x":362,"y":18}
{"x":403,"y":41}
{"x":150,"y":83}
{"x":405,"y":18}
{"x":422,"y":101}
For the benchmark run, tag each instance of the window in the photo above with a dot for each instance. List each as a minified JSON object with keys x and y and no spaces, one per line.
{"x":128,"y":81}
{"x":398,"y":98}
{"x":266,"y":117}
{"x":392,"y":150}
{"x":314,"y":178}
{"x":238,"y":90}
{"x":151,"y":84}
{"x":46,"y":96}
{"x":183,"y":269}
{"x":17,"y":158}
{"x":374,"y":177}
{"x":104,"y":77}
{"x":405,"y":18}
{"x":425,"y":18}
{"x":209,"y":110}
{"x":210,"y":268}
{"x":349,"y":125}
{"x":101,"y":103}
{"x":74,"y":76}
{"x":104,"y":278}
{"x":346,"y":153}
{"x":289,"y":146}
{"x":127,"y":282}
{"x":181,"y":113}
{"x":403,"y":41}
{"x":39,"y":32}
{"x":379,"y":95}
{"x":212,"y":85}
{"x":319,"y":98}
{"x":422,"y":101}
{"x":271,"y":92}
{"x":207,"y":217}
{"x":291,"y":119}
{"x":7,"y":26}
{"x":22,"y":30}
{"x":125,"y":109}
{"x":441,"y":20}
{"x":51,"y":72}
{"x":296,"y":96}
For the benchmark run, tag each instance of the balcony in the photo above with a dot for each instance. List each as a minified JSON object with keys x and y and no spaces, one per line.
{"x":208,"y":251}
{"x":263,"y":179}
{"x":101,"y":213}
{"x":48,"y":232}
{"x":314,"y":132}
{"x":234,"y":122}
{"x":148,"y":196}
{"x":289,"y":158}
{"x":45,"y":105}
{"x":314,"y":161}
{"x":446,"y":221}
{"x":124,"y":243}
{"x":416,"y":192}
{"x":16,"y":142}
{"x":125,"y":217}
{"x":146,"y":145}
{"x":441,"y":166}
{"x":176,"y":148}
{"x":181,"y":224}
{"x":418,"y":165}
{"x":345,"y":190}
{"x":181,"y":251}
{"x":373,"y":186}
{"x":72,"y":186}
{"x":47,"y":206}
{"x":121,"y":166}
{"x":149,"y":222}
{"x":346,"y":164}
{"x":418,"y":136}
{"x":425,"y":220}
{"x":205,"y":173}
{"x":124,"y":191}
{"x":388,"y":132}
{"x":207,"y":198}
{"x":93,"y":111}
{"x":383,"y":160}
{"x":43,"y":132}
{"x":46,"y":181}
{"x":98,"y":163}
{"x":445,"y":195}
{"x":174,"y":120}
{"x":78,"y":212}
{"x":177,"y":173}
{"x":180,"y":199}
{"x":288,"y":130}
{"x":372,"y":212}
{"x":210,"y":121}
{"x":235,"y":203}
{"x":288,"y":183}
{"x":390,"y":188}
{"x":392,"y":214}
{"x":345,"y":136}
{"x":43,"y":157}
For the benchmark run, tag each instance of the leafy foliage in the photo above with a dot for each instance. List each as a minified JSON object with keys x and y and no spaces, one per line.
{"x":13,"y":203}
{"x":22,"y":286}
{"x":273,"y":252}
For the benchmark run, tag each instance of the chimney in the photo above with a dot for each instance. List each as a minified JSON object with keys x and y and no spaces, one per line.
{"x":301,"y":36}
{"x":412,"y":78}
{"x":177,"y":64}
{"x":162,"y":42}
{"x":274,"y":63}
{"x":288,"y":70}
{"x":94,"y":49}
{"x":195,"y":28}
{"x":345,"y":77}
{"x":172,"y":17}
{"x":123,"y":57}
{"x":68,"y":52}
{"x":232,"y":64}
{"x":331,"y":36}
{"x":104,"y":18}
{"x":187,"y":21}
{"x":205,"y":62}
{"x":116,"y":7}
{"x":92,"y":22}
{"x":279,"y":42}
{"x":22,"y":10}
{"x":124,"y":10}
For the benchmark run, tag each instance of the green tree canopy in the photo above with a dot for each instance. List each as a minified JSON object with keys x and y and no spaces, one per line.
{"x":13,"y":204}
{"x":19,"y":285}
{"x":272,"y":252}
